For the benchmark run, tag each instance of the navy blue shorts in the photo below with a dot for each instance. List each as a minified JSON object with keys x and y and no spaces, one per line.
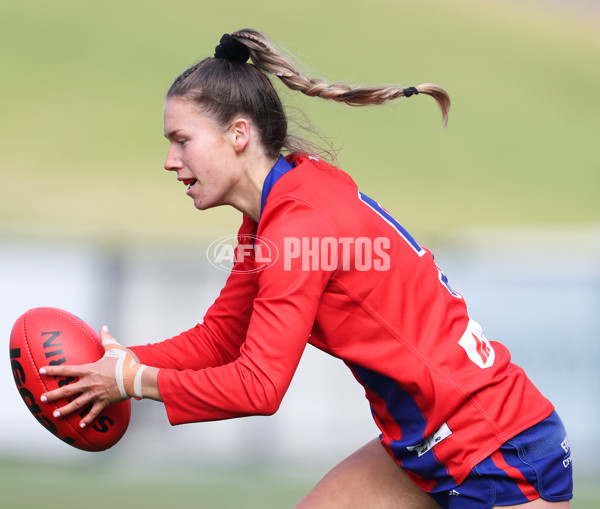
{"x":535,"y":463}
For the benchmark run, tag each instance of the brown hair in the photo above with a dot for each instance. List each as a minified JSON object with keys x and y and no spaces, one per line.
{"x":225,"y":88}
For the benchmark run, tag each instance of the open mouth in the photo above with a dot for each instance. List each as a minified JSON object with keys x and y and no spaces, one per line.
{"x":189,"y":182}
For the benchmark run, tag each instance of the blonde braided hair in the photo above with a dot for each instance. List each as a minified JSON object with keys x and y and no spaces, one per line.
{"x":266,"y":57}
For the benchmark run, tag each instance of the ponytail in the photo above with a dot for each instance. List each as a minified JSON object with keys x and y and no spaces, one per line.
{"x":266,"y":57}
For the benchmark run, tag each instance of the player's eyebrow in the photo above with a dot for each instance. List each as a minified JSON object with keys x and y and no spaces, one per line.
{"x":172,"y":134}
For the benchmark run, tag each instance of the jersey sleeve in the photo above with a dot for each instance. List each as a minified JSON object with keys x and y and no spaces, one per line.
{"x":282,"y":318}
{"x":217,"y":340}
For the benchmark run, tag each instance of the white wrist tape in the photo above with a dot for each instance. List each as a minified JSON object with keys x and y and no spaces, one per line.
{"x":128,"y":373}
{"x":137,"y":382}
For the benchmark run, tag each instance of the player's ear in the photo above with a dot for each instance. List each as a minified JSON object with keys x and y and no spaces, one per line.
{"x":240,"y":133}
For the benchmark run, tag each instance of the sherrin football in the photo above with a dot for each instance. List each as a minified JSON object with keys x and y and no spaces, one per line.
{"x":49,"y":336}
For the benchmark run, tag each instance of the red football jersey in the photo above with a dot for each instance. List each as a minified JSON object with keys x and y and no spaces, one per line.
{"x":351,"y":281}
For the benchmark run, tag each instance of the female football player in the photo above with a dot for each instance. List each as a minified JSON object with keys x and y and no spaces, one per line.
{"x":461,"y":426}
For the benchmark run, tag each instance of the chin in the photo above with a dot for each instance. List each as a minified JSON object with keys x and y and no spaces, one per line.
{"x":204,"y":205}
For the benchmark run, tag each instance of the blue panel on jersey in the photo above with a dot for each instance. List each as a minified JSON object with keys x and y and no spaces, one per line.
{"x":401,"y":406}
{"x":392,"y":221}
{"x":280,"y":168}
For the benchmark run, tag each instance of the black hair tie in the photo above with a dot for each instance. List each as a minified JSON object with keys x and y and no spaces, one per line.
{"x":410,"y":91}
{"x":232,"y":49}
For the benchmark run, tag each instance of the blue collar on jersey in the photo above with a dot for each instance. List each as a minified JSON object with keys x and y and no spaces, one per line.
{"x":279,"y":170}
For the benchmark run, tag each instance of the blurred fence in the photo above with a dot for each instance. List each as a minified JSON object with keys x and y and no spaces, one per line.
{"x":537,"y":292}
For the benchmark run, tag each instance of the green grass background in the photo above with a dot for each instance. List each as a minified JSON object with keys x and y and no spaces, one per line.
{"x":82,"y":149}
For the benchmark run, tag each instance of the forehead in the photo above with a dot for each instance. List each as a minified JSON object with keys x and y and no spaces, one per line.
{"x":182,"y":114}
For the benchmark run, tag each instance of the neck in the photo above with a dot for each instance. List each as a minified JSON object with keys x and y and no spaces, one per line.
{"x":249,"y":191}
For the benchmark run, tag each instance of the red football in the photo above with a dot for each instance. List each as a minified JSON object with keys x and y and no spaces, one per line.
{"x":50,"y":336}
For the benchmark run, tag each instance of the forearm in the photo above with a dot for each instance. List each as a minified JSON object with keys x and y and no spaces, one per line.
{"x":150,"y":384}
{"x":149,"y":380}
